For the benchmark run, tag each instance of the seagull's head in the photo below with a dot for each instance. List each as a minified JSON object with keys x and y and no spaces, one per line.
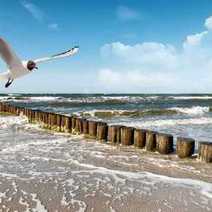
{"x":31,"y":65}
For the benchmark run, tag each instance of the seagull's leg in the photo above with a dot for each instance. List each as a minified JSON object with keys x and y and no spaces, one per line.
{"x":9,"y":82}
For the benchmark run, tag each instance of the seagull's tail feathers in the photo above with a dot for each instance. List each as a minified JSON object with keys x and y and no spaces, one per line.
{"x":4,"y":76}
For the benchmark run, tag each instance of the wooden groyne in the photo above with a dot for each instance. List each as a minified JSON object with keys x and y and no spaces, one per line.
{"x":115,"y":134}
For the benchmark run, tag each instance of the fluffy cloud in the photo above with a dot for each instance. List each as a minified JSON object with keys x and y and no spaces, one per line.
{"x":153,"y":66}
{"x":149,"y":54}
{"x":208,"y":23}
{"x":195,"y":39}
{"x":127,"y":14}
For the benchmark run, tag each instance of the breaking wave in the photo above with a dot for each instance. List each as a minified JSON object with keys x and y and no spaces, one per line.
{"x":140,"y":113}
{"x":191,"y":97}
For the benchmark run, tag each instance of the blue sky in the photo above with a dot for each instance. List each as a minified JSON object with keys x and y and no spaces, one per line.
{"x":143,"y":46}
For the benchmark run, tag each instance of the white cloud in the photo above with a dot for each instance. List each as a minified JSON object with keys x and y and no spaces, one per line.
{"x":34,"y":10}
{"x":125,"y":13}
{"x":158,"y":67}
{"x":195,"y":39}
{"x":208,"y":23}
{"x":153,"y":53}
{"x":53,"y":26}
{"x":135,"y":81}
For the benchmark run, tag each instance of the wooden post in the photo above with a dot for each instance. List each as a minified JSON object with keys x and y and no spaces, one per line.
{"x":42,"y":114}
{"x":79,"y":125}
{"x":30,"y":116}
{"x":85,"y":127}
{"x":46,"y":118}
{"x":62,"y":124}
{"x":58,"y":124}
{"x":114,"y":134}
{"x":36,"y":116}
{"x":53,"y":121}
{"x":140,"y":138}
{"x":66,"y":124}
{"x":127,"y":134}
{"x":185,"y":147}
{"x":102,"y":131}
{"x":92,"y":129}
{"x":73,"y":125}
{"x":150,"y":140}
{"x":205,"y":151}
{"x":164,"y":143}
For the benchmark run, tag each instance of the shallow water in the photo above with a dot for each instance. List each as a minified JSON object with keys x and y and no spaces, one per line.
{"x":182,"y":115}
{"x":42,"y":171}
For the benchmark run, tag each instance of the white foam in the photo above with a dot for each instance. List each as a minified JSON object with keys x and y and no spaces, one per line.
{"x":44,"y":98}
{"x":192,"y":110}
{"x":6,"y":121}
{"x":168,"y":122}
{"x":191,"y":97}
{"x":120,"y":177}
{"x":39,"y":207}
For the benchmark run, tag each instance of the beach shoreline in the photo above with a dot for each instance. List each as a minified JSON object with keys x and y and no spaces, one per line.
{"x":50,"y":171}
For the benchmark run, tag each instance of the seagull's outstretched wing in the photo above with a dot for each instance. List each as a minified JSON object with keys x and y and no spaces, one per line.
{"x":67,"y":53}
{"x":9,"y":57}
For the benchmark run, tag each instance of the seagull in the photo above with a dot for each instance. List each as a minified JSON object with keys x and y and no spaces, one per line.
{"x":18,"y":68}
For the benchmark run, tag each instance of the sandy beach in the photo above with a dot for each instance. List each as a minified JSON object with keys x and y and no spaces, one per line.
{"x":43,"y":171}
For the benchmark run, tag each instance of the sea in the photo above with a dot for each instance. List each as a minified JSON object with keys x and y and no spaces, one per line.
{"x":45,"y":171}
{"x":187,"y":115}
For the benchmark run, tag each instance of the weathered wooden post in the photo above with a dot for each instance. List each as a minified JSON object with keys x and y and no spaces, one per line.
{"x":185,"y":147}
{"x":36,"y":116}
{"x":49,"y":121}
{"x":140,"y":138}
{"x":73,"y":125}
{"x":164,"y":143}
{"x":1,"y":106}
{"x":150,"y":140}
{"x":205,"y":151}
{"x":85,"y":127}
{"x":92,"y":129}
{"x":58,"y":124}
{"x":46,"y":118}
{"x":63,"y":123}
{"x":67,"y":127}
{"x":40,"y":117}
{"x":114,"y":134}
{"x":53,"y":121}
{"x":102,"y":131}
{"x":30,"y":116}
{"x":127,"y":134}
{"x":79,"y":125}
{"x":17,"y":111}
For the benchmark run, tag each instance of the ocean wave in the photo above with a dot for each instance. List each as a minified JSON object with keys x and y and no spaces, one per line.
{"x":190,"y":97}
{"x":89,"y":98}
{"x":128,"y":113}
{"x":149,"y":124}
{"x":80,"y":99}
{"x":45,"y":98}
{"x":196,"y":110}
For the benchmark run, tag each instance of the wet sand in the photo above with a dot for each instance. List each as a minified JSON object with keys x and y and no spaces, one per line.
{"x":42,"y":171}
